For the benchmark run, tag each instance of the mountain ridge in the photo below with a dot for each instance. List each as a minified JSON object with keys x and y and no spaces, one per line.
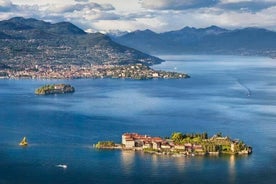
{"x":21,"y":24}
{"x":26,"y":43}
{"x":209,"y":40}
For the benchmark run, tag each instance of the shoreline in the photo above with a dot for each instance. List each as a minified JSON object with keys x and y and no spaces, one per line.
{"x":171,"y":153}
{"x":134,"y":71}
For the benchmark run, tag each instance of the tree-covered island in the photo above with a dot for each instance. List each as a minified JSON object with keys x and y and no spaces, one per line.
{"x":180,"y":144}
{"x":54,"y":89}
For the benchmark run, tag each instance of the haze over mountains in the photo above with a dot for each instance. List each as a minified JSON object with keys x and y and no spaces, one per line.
{"x":29,"y":42}
{"x":210,"y":40}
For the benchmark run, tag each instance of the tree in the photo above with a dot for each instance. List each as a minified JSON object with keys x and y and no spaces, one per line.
{"x":177,"y":137}
{"x":219,"y":134}
{"x":204,"y":135}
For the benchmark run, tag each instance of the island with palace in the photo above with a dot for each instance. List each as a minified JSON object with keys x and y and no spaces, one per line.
{"x":54,"y":89}
{"x":179,"y":144}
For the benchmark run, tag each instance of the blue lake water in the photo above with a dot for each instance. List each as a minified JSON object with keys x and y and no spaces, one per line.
{"x":230,"y":94}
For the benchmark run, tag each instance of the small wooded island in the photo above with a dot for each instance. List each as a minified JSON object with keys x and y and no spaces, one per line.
{"x":179,"y":144}
{"x":55,"y":89}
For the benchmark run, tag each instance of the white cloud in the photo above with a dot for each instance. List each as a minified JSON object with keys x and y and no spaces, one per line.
{"x":230,"y":19}
{"x":247,"y":5}
{"x":158,"y":15}
{"x":177,"y":4}
{"x":41,"y":2}
{"x":77,"y":7}
{"x":234,"y":1}
{"x":6,"y":5}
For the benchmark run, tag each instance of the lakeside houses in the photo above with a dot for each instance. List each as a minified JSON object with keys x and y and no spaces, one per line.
{"x":134,"y":140}
{"x":178,"y":143}
{"x":141,"y":142}
{"x":133,"y":71}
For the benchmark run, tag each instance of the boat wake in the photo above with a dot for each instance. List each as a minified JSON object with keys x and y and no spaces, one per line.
{"x":248,"y":91}
{"x":62,"y":166}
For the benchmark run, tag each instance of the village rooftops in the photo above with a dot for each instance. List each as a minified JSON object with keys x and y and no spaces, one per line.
{"x":188,"y":144}
{"x":137,"y":137}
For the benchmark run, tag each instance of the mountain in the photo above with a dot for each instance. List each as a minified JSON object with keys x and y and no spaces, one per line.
{"x":210,"y":40}
{"x":4,"y":36}
{"x":20,"y":24}
{"x":146,"y":41}
{"x":26,"y":43}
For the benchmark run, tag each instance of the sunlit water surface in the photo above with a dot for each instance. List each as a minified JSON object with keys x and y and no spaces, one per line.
{"x":230,"y":94}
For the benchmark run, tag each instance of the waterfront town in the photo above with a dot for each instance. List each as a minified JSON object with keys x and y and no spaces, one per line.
{"x":180,"y":144}
{"x":133,"y":71}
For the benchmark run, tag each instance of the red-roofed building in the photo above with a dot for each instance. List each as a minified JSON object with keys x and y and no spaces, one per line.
{"x":134,"y":140}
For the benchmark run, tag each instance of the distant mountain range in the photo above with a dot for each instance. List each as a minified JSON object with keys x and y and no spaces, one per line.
{"x":210,"y":40}
{"x":30,"y":42}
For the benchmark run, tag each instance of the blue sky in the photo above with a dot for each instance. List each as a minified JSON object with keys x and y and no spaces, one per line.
{"x":157,"y":15}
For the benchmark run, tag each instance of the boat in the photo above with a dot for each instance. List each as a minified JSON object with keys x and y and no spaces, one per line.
{"x":62,"y":166}
{"x":23,"y":142}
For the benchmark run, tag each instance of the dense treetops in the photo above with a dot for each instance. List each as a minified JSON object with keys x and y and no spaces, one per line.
{"x":180,"y":138}
{"x":105,"y":144}
{"x":217,"y":143}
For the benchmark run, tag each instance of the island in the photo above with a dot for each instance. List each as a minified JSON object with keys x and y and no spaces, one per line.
{"x":55,"y":89}
{"x":179,"y":144}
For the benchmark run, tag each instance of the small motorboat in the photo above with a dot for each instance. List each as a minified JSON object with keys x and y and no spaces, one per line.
{"x":62,"y":166}
{"x":23,"y":142}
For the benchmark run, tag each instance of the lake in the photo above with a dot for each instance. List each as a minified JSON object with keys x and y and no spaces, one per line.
{"x":234,"y":95}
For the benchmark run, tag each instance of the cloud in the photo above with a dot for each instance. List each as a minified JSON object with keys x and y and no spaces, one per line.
{"x":177,"y":4}
{"x":6,"y":6}
{"x":79,"y":7}
{"x":246,"y":5}
{"x":158,"y":15}
{"x":81,"y":13}
{"x":205,"y":17}
{"x":5,"y":3}
{"x":82,"y":1}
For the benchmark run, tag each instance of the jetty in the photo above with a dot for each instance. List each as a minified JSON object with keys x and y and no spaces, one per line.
{"x":64,"y":166}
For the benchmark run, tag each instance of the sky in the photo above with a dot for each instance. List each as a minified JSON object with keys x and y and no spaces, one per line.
{"x":157,"y":15}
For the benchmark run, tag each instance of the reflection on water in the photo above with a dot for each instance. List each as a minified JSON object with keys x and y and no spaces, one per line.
{"x":220,"y":168}
{"x":154,"y":159}
{"x":181,"y":164}
{"x":127,"y":160}
{"x":232,"y":168}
